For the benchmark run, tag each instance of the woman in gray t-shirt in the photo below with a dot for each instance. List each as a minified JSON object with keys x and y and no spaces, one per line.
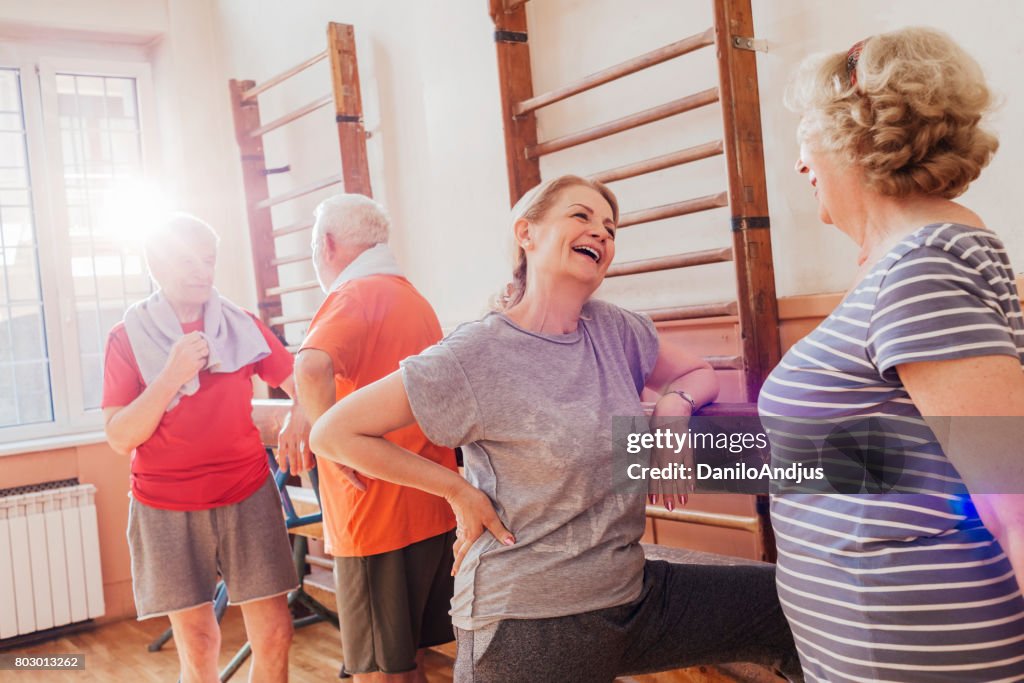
{"x":551,"y":581}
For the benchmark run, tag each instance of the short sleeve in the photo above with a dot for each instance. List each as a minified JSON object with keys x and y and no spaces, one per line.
{"x":931,"y":305}
{"x":441,"y":397}
{"x":640,"y":339}
{"x":277,"y":367}
{"x":122,"y":382}
{"x":340,"y":330}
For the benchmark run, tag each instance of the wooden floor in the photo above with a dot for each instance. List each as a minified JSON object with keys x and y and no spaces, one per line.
{"x":117,"y":652}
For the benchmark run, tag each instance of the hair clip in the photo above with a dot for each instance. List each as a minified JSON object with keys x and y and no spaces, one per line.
{"x":851,"y":61}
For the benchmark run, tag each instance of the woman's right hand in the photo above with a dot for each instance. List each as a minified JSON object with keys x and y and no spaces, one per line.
{"x":474,"y":514}
{"x":187,"y":357}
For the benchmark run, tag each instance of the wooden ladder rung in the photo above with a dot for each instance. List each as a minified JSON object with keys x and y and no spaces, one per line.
{"x":289,"y":319}
{"x":650,"y":265}
{"x":692,"y":311}
{"x":322,"y":562}
{"x":294,"y":258}
{"x":319,"y":585}
{"x":725,"y":362}
{"x":663,"y":111}
{"x":657,"y":213}
{"x":292,"y":116}
{"x":683,"y":156}
{"x":300,"y":191}
{"x":283,"y":76}
{"x":715,"y":519}
{"x":290,"y":289}
{"x":293,"y":228}
{"x":662,"y":54}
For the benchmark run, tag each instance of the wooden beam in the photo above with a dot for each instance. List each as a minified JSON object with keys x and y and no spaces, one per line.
{"x":662,"y":54}
{"x":292,"y":116}
{"x":692,"y":311}
{"x":715,"y":519}
{"x":348,"y":108}
{"x":303,"y":190}
{"x":253,"y":90}
{"x":294,"y":258}
{"x":515,"y":83}
{"x":650,"y":265}
{"x":748,"y":194}
{"x":289,"y":319}
{"x":246,"y":114}
{"x":683,"y":104}
{"x":293,"y":228}
{"x":657,"y":213}
{"x":725,"y":362}
{"x":683,"y":156}
{"x":299,"y":287}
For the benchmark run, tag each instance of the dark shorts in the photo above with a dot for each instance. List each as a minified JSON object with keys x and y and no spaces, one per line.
{"x":177,"y":555}
{"x":392,"y":604}
{"x":686,"y":615}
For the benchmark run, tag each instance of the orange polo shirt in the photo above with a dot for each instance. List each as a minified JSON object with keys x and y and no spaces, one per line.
{"x":367,"y":326}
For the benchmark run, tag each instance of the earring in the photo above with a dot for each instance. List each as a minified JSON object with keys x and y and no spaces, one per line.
{"x":526,"y":244}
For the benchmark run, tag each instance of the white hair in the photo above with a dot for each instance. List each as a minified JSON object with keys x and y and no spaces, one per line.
{"x":353,"y":220}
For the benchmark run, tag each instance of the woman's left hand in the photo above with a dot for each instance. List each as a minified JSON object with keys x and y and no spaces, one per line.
{"x":293,"y":454}
{"x":672,"y":412}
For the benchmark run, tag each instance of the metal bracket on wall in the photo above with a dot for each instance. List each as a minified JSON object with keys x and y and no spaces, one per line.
{"x":748,"y":43}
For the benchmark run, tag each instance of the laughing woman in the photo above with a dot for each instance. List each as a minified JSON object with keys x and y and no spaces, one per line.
{"x":551,"y":582}
{"x":917,"y":582}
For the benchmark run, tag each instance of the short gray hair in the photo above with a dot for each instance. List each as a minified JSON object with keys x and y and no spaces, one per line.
{"x":353,"y":220}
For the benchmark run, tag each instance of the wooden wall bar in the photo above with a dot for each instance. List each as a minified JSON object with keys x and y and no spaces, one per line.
{"x":512,"y":44}
{"x":662,"y":54}
{"x":348,"y":108}
{"x":254,"y":166}
{"x":748,"y":194}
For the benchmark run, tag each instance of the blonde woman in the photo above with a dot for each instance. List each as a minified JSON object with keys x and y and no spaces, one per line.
{"x":551,"y":582}
{"x":920,"y":583}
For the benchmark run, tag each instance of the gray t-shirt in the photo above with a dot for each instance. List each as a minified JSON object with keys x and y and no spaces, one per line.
{"x":533,"y":413}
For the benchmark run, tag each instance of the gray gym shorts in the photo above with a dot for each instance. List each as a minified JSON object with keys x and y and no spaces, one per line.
{"x":177,"y":555}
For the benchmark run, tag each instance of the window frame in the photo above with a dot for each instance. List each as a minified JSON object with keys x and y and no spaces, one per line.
{"x":38,"y":70}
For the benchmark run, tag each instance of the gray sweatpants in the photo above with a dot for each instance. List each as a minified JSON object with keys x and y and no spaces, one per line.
{"x":685,"y":615}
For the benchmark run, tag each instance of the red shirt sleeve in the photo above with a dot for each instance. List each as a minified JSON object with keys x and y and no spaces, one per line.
{"x":277,"y":367}
{"x":122,"y":382}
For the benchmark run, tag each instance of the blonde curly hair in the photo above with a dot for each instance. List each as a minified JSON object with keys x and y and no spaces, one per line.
{"x":908,"y":113}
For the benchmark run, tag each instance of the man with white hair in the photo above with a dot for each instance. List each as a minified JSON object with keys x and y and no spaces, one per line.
{"x":392,"y":544}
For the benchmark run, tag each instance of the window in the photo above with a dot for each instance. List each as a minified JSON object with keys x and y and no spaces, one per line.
{"x":24,"y":368}
{"x":73,"y":154}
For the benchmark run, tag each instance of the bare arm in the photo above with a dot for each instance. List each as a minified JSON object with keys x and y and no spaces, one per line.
{"x":677,"y":369}
{"x":985,"y":452}
{"x":129,"y":426}
{"x":314,"y":382}
{"x":315,"y":394}
{"x":352,"y":433}
{"x":293,"y":452}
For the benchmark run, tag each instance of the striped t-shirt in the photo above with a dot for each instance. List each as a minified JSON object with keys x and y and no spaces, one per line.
{"x":903,"y":586}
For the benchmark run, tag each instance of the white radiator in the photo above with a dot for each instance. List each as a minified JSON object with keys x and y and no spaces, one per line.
{"x":49,"y":560}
